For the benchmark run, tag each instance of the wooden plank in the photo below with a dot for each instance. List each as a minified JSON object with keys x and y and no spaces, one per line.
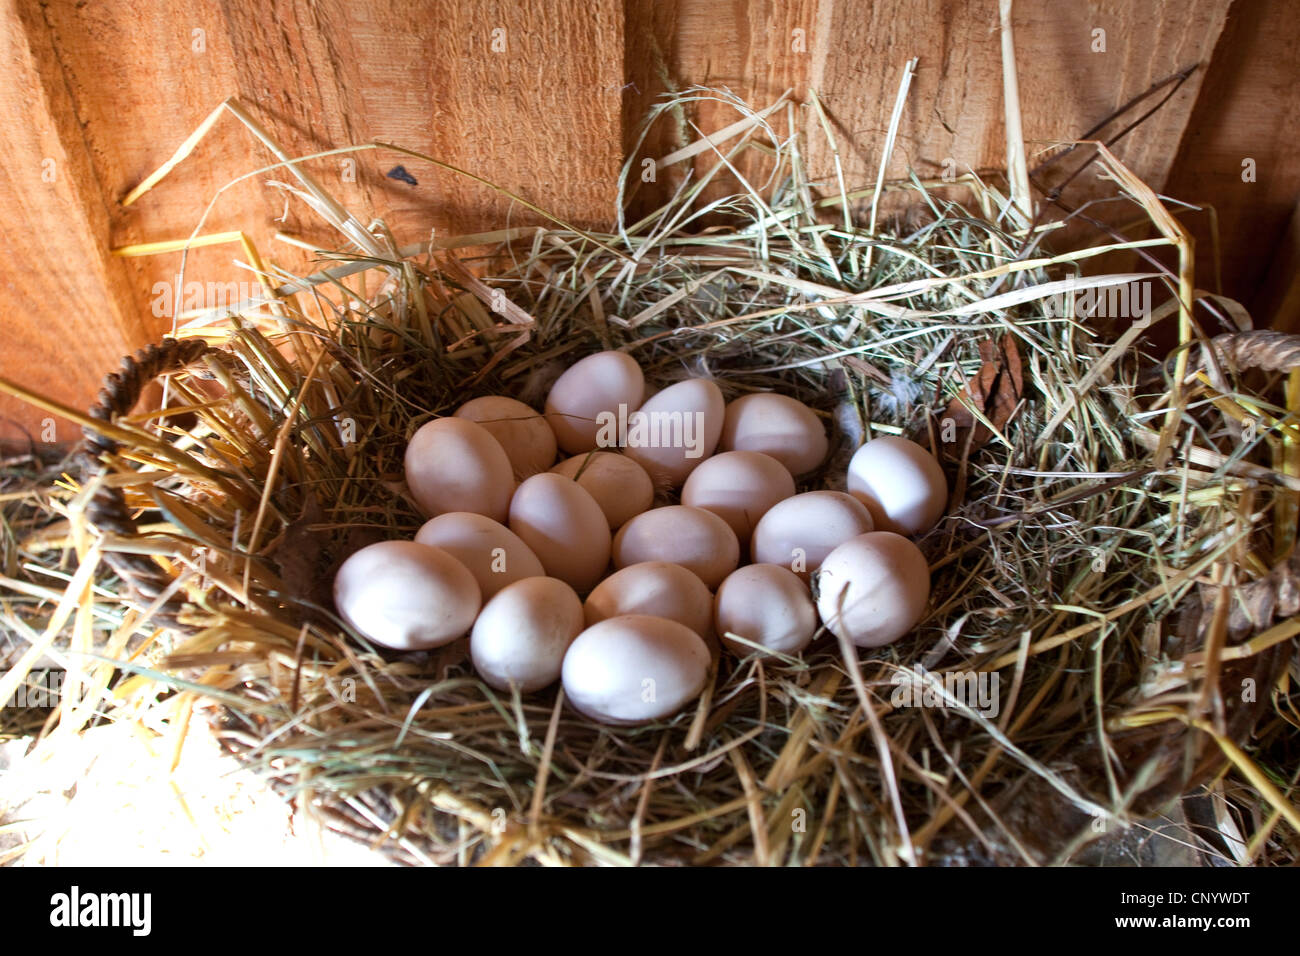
{"x":1249,"y":110}
{"x":751,"y":49}
{"x":852,"y":53}
{"x":545,"y":113}
{"x":1277,"y":302}
{"x":65,"y":300}
{"x":527,"y":95}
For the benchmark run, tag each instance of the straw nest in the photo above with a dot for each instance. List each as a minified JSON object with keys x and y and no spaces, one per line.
{"x":1118,"y":553}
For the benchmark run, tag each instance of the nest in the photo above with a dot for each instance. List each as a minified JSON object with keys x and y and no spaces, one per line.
{"x":1113,"y":586}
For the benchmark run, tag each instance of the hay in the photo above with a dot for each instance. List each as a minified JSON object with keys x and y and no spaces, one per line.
{"x":1118,"y":552}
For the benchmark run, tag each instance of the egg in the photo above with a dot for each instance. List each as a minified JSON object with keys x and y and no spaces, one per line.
{"x":873,"y":589}
{"x":620,"y":486}
{"x":453,"y":464}
{"x":522,"y":432}
{"x":406,"y":596}
{"x":676,"y":430}
{"x":799,"y":532}
{"x":634,"y":668}
{"x":901,"y":484}
{"x":522,"y":633}
{"x":594,"y":387}
{"x":696,"y":539}
{"x":493,"y":553}
{"x":561,"y":523}
{"x":767,"y":604}
{"x":739,"y":487}
{"x":655,"y":588}
{"x":776,"y":425}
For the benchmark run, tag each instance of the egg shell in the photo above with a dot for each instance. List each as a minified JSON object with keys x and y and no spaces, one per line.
{"x":560,"y":521}
{"x":873,"y":589}
{"x":405,"y":595}
{"x":453,"y":464}
{"x":677,"y":429}
{"x":776,"y":425}
{"x":597,"y":384}
{"x":767,"y":604}
{"x":522,"y":633}
{"x":696,"y":539}
{"x":634,"y":668}
{"x":902,"y":484}
{"x":799,"y":532}
{"x":620,"y":486}
{"x":494,"y":554}
{"x":522,"y":432}
{"x":739,"y":487}
{"x":656,"y":588}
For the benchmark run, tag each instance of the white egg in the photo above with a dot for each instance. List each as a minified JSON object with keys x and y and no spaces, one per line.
{"x":739,"y":487}
{"x":523,"y":433}
{"x":598,"y":385}
{"x":620,"y":486}
{"x":562,"y":524}
{"x":696,"y":539}
{"x":676,"y":430}
{"x":453,"y":464}
{"x":634,"y":668}
{"x":493,"y":553}
{"x":776,"y":425}
{"x":768,"y":605}
{"x":901,"y":484}
{"x":873,"y":589}
{"x":406,"y":596}
{"x":655,"y":588}
{"x":522,"y":633}
{"x":799,"y":532}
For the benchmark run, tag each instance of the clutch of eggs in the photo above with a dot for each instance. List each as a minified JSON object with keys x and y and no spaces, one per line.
{"x":543,"y":545}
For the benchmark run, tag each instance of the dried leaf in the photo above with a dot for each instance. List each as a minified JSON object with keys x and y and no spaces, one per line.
{"x":995,"y":390}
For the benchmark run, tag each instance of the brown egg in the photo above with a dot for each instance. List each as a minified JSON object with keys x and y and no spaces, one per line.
{"x":655,"y":588}
{"x":776,"y":425}
{"x":620,"y":486}
{"x":406,"y":596}
{"x":768,"y":605}
{"x":739,"y":487}
{"x":562,"y":524}
{"x":599,"y":385}
{"x":523,"y":433}
{"x":799,"y":532}
{"x":873,"y":589}
{"x":492,"y":552}
{"x":696,"y":539}
{"x":634,"y":668}
{"x":453,"y":464}
{"x":676,"y":430}
{"x":901,"y":484}
{"x":522,"y":634}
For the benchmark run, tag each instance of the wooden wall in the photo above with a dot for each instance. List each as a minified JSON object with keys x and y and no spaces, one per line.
{"x":544,"y":98}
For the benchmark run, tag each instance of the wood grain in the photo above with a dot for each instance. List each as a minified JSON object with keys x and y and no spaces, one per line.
{"x":67,"y":304}
{"x":544,"y":99}
{"x":852,"y":53}
{"x":1250,"y":110}
{"x":1277,"y":300}
{"x":525,"y":94}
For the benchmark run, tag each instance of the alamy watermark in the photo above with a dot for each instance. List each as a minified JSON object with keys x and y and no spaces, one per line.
{"x":175,"y":298}
{"x":653,"y":429}
{"x":974,"y":690}
{"x":40,"y":689}
{"x":77,"y":908}
{"x":1128,"y":300}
